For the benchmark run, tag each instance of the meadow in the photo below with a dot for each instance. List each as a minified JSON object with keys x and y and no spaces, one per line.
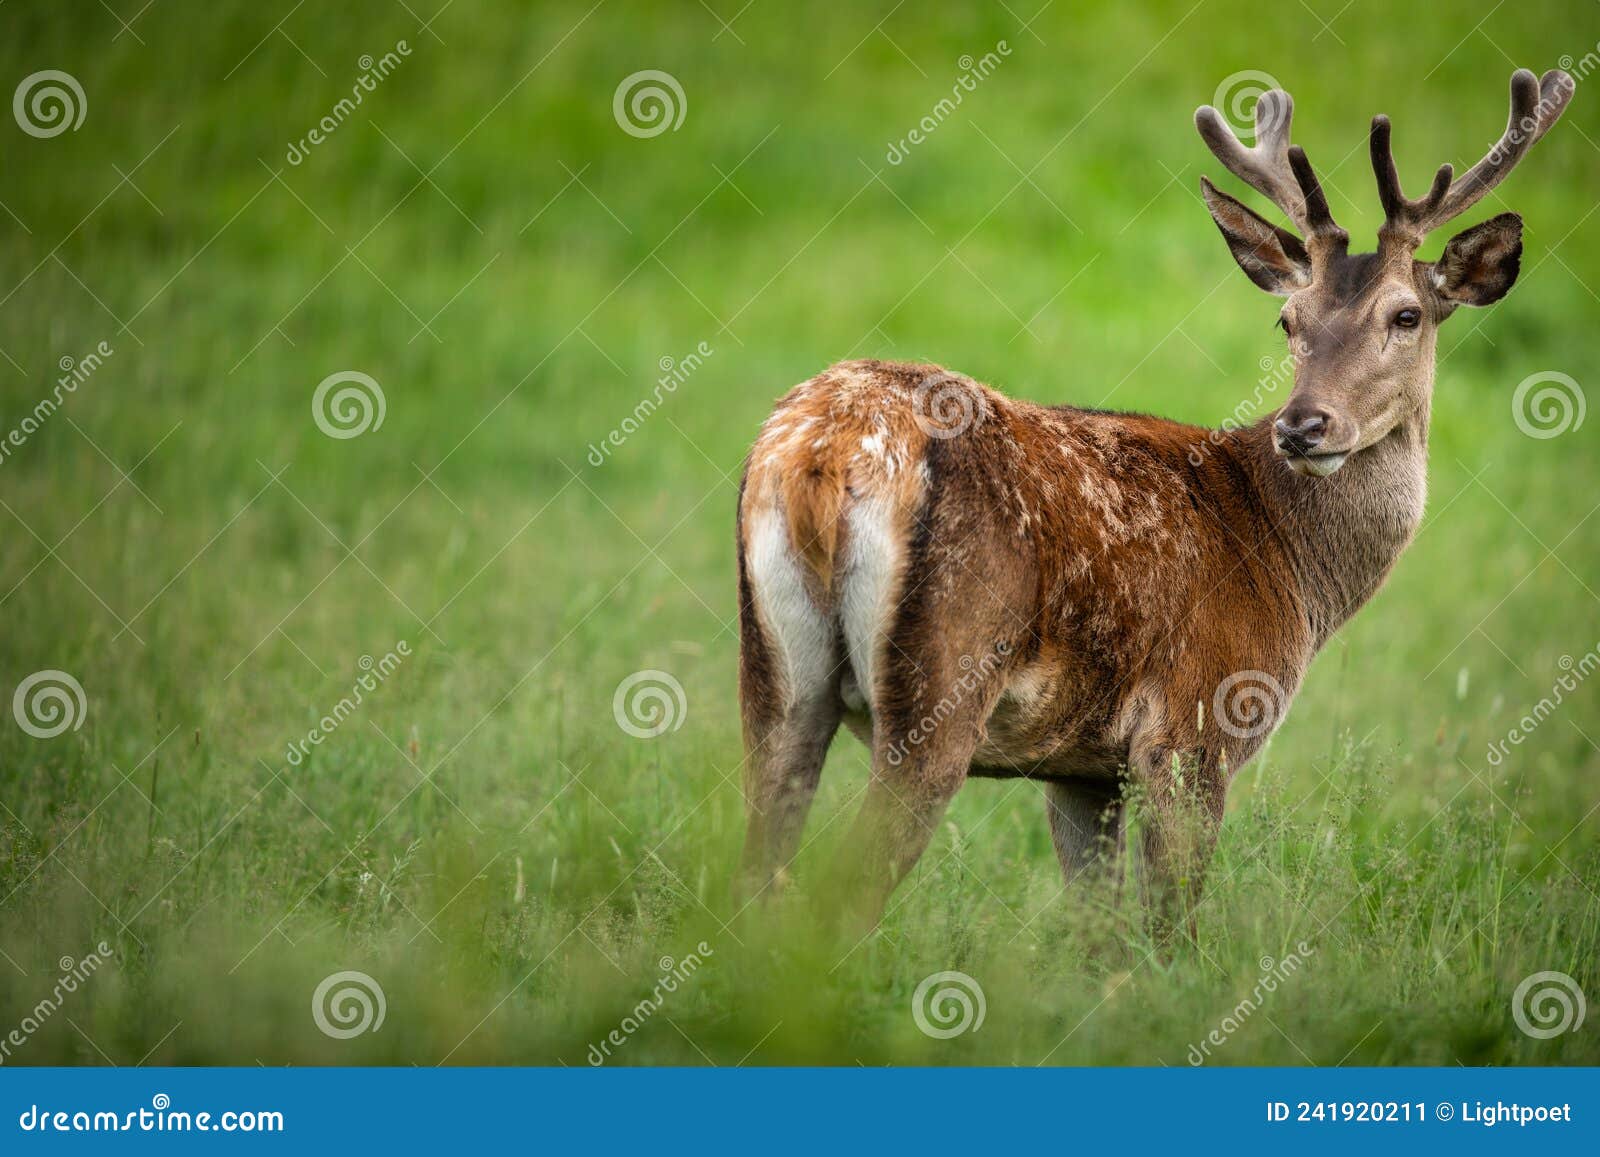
{"x":351,"y":686}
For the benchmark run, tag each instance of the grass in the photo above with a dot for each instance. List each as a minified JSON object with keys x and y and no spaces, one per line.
{"x":479,"y":236}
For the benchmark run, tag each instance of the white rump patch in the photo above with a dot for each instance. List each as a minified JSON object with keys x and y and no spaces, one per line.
{"x":869,"y":583}
{"x":803,"y":634}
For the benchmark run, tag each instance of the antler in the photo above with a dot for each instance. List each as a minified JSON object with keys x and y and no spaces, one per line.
{"x":1275,"y":168}
{"x":1535,"y":106}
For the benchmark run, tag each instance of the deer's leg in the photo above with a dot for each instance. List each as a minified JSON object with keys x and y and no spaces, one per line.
{"x":915,"y":774}
{"x":1085,"y":824}
{"x":790,"y":663}
{"x":934,"y":692}
{"x":1182,"y":805}
{"x":933,"y":604}
{"x":783,"y":767}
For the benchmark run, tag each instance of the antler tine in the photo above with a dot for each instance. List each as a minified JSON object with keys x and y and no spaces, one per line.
{"x":1535,"y":106}
{"x":1319,"y":219}
{"x":1405,"y":220}
{"x":1264,"y":167}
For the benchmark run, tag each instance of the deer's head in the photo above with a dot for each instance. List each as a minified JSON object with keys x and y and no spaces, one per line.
{"x":1362,"y":326}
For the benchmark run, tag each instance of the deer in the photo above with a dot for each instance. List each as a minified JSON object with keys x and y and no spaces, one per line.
{"x":978,"y":586}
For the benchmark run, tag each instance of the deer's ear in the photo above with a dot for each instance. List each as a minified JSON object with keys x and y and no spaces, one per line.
{"x":1479,"y":265}
{"x":1271,"y":257}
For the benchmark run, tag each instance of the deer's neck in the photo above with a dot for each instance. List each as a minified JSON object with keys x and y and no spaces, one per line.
{"x":1342,"y":533}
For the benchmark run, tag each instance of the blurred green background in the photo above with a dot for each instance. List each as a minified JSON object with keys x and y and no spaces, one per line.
{"x":483,"y":238}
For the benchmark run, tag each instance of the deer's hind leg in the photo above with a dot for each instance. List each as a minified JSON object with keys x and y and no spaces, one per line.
{"x":1086,"y":824}
{"x":928,"y":721}
{"x":938,"y":662}
{"x":791,"y":660}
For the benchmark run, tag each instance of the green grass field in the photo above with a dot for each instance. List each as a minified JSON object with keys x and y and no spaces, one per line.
{"x":481,"y":237}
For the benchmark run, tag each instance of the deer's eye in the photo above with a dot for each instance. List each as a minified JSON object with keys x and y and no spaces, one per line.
{"x":1283,"y":324}
{"x":1408,"y":318}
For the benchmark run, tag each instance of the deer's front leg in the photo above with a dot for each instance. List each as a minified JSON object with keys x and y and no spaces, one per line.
{"x":1086,"y":825}
{"x":1184,"y":789}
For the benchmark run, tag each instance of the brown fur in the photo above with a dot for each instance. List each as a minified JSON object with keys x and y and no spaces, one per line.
{"x":979,"y":585}
{"x":809,"y":455}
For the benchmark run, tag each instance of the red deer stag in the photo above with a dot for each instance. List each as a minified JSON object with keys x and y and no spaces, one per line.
{"x":982,"y":586}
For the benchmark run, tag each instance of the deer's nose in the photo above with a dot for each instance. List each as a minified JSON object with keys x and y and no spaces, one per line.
{"x":1300,"y":432}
